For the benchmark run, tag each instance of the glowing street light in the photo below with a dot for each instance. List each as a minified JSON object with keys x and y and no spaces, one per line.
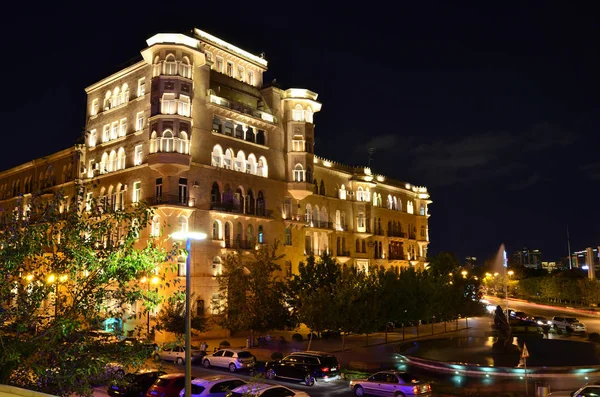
{"x":464,"y":273}
{"x":188,"y":237}
{"x":510,"y":272}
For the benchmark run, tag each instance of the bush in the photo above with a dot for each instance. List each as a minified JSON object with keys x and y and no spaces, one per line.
{"x":276,"y":356}
{"x":594,"y":337}
{"x":297,"y":338}
{"x":224,"y":344}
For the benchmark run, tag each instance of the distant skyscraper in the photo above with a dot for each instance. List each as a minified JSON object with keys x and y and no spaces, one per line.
{"x":531,"y":259}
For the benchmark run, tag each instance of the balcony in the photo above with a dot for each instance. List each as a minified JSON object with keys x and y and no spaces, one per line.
{"x":343,"y":253}
{"x":239,"y":210}
{"x":242,"y":108}
{"x":320,"y":224}
{"x":395,"y":233}
{"x":300,"y":190}
{"x":395,"y":257}
{"x":168,"y":199}
{"x":169,"y":162}
{"x":240,"y":244}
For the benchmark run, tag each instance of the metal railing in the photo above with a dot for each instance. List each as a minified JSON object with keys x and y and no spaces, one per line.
{"x":168,"y":199}
{"x":239,"y":209}
{"x":394,"y":233}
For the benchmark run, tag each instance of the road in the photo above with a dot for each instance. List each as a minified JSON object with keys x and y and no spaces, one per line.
{"x":590,"y":319}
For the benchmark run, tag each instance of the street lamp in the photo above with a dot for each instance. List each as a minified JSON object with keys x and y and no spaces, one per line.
{"x":188,"y":237}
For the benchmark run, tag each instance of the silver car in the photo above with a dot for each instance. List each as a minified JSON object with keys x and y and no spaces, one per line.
{"x":214,"y":386}
{"x":264,"y":389}
{"x":176,"y":354}
{"x":390,"y":383}
{"x":229,"y":358}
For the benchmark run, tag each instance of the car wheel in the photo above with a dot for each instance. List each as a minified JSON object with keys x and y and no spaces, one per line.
{"x":271,"y":374}
{"x":179,"y":360}
{"x":232,"y":367}
{"x":309,"y":380}
{"x":206,"y":364}
{"x":399,"y":394}
{"x":359,"y":391}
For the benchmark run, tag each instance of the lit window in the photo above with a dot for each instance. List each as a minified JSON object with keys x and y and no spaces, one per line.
{"x":241,"y":73}
{"x":106,"y":133}
{"x":216,"y":231}
{"x":123,"y":127}
{"x":343,"y":192}
{"x":183,"y":107}
{"x":182,"y":224}
{"x":288,"y":236}
{"x":94,"y":109}
{"x":170,"y":66}
{"x":138,"y":155}
{"x":298,"y":143}
{"x":185,"y":68}
{"x":228,"y":159}
{"x":154,"y":142}
{"x":121,"y":159}
{"x":137,"y":192}
{"x":360,"y":194}
{"x":409,"y":207}
{"x":139,"y":124}
{"x":114,"y":130}
{"x":88,"y":201}
{"x":250,"y":77}
{"x":112,"y":161}
{"x":155,"y":232}
{"x":92,"y":138}
{"x":166,"y":142}
{"x":219,"y":65}
{"x":183,"y":144}
{"x":208,"y":56}
{"x":107,"y":99}
{"x":230,"y":69}
{"x":361,"y":221}
{"x":298,"y":173}
{"x":141,"y":91}
{"x":90,"y":170}
{"x":298,"y":113}
{"x":216,"y":157}
{"x":168,"y":103}
{"x":308,"y":115}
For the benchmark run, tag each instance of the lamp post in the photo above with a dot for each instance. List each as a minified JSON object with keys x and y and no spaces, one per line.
{"x":188,"y":237}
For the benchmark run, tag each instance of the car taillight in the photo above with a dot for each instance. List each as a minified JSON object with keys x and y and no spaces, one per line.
{"x":415,"y":389}
{"x":338,"y":367}
{"x":325,"y":369}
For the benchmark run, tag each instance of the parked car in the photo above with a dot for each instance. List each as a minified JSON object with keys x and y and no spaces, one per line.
{"x":309,"y":366}
{"x":214,"y":386}
{"x":134,"y":384}
{"x":176,"y":353}
{"x":519,"y":315}
{"x":265,"y":390}
{"x":390,"y":383}
{"x":229,"y":358}
{"x":587,"y":390}
{"x":169,"y":385}
{"x":569,"y":324}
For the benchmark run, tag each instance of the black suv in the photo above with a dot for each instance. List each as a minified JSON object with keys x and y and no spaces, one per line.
{"x":308,"y":366}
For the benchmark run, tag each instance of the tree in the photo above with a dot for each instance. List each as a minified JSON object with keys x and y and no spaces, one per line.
{"x":171,"y":318}
{"x":252,"y":296}
{"x":66,"y":266}
{"x":442,"y":264}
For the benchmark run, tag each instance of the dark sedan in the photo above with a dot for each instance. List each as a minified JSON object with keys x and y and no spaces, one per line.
{"x":134,"y":385}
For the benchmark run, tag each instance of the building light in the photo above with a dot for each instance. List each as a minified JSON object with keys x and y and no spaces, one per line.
{"x":380,"y":178}
{"x":367,"y":171}
{"x":236,"y":50}
{"x":407,"y":186}
{"x":174,"y":38}
{"x":326,"y":163}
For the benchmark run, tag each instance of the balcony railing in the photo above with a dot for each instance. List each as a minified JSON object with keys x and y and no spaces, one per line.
{"x":239,"y":209}
{"x":394,"y":257}
{"x":168,"y":199}
{"x":316,"y":252}
{"x":321,"y":224}
{"x":241,"y":244}
{"x":343,"y":253}
{"x":378,"y":232}
{"x":394,"y":233}
{"x":242,"y":108}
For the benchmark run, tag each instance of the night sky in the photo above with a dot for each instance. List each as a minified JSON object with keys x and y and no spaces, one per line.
{"x":495,"y":110}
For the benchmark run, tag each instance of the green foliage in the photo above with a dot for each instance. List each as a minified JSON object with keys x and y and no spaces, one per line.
{"x":442,"y":264}
{"x":171,"y":318}
{"x":251,"y":297}
{"x":64,"y":270}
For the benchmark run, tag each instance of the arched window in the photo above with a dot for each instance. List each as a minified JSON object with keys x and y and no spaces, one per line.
{"x":217,"y":265}
{"x":288,"y":236}
{"x":390,"y":202}
{"x":217,"y":156}
{"x":155,"y":232}
{"x":238,"y":200}
{"x":153,"y":142}
{"x":124,"y":93}
{"x":260,"y":137}
{"x":182,"y":224}
{"x":240,"y":162}
{"x":316,"y":186}
{"x":324,"y":217}
{"x":360,"y":194}
{"x":104,"y":163}
{"x":298,"y":113}
{"x":409,"y":207}
{"x":298,"y":173}
{"x":250,"y":135}
{"x":215,"y":195}
{"x":107,"y":99}
{"x":170,"y":66}
{"x":308,"y":115}
{"x":121,"y":159}
{"x":250,"y":235}
{"x":167,"y":142}
{"x":239,"y":131}
{"x":116,"y":98}
{"x":262,"y":168}
{"x":261,"y":208}
{"x":367,"y":195}
{"x":250,"y":205}
{"x":422,"y":210}
{"x":183,"y":106}
{"x":308,"y":214}
{"x":364,"y":246}
{"x":93,"y":138}
{"x":395,"y":204}
{"x":308,"y":174}
{"x":217,"y":126}
{"x":322,"y":188}
{"x":251,"y":164}
{"x":120,"y":200}
{"x":316,"y":216}
{"x":228,"y":234}
{"x":216,"y":230}
{"x":260,"y":235}
{"x":183,"y":143}
{"x":239,"y":233}
{"x":399,"y":205}
{"x":338,"y":220}
{"x":185,"y":69}
{"x":343,"y":192}
{"x":228,"y":159}
{"x":227,"y":197}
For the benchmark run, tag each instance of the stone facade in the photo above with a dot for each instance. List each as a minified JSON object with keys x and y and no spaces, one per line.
{"x":192,"y":130}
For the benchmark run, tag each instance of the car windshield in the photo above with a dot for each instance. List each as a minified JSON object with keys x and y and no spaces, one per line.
{"x":245,"y":355}
{"x":571,"y":320}
{"x":408,"y":378}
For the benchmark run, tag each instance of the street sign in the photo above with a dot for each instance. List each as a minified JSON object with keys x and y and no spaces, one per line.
{"x":524,"y":352}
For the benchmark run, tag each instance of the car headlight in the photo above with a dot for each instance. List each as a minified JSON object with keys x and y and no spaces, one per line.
{"x":540,"y":323}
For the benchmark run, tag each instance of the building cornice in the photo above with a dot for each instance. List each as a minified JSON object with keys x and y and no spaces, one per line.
{"x":115,"y":76}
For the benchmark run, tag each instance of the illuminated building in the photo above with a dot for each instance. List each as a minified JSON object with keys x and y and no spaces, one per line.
{"x":192,"y":130}
{"x":531,"y":259}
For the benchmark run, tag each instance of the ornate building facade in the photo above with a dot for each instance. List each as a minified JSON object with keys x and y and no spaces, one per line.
{"x":192,"y":130}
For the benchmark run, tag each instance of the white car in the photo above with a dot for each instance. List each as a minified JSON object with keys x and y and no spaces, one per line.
{"x":176,"y":354}
{"x":390,"y":383}
{"x":265,"y":390}
{"x":569,"y":324}
{"x":214,"y":386}
{"x":229,"y":358}
{"x":585,"y":391}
